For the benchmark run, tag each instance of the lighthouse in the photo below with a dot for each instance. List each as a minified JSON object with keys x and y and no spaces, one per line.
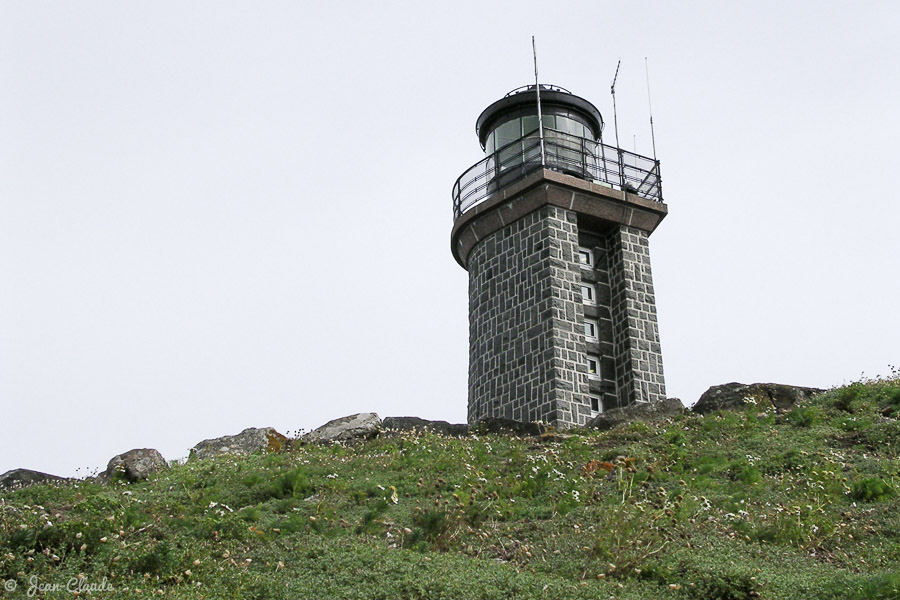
{"x":553,"y":228}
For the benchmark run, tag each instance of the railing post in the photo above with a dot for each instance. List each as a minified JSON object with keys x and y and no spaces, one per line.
{"x":584,"y":158}
{"x":658,"y":182}
{"x":603,"y":159}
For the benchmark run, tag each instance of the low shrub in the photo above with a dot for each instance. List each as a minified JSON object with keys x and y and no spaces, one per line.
{"x":159,"y":560}
{"x":367,"y":524}
{"x":432,"y":525}
{"x":882,"y":586}
{"x":871,"y":489}
{"x":802,"y":416}
{"x":743,"y":471}
{"x":847,"y":398}
{"x":727,"y":584}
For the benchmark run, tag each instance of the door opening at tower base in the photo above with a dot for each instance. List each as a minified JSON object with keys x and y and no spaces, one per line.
{"x":596,"y":405}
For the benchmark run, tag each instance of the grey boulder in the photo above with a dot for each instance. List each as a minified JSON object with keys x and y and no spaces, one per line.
{"x":641,"y":411}
{"x":761,"y":395}
{"x":135,"y":465}
{"x":360,"y":426}
{"x":18,"y":478}
{"x":250,"y":440}
{"x":501,"y":425}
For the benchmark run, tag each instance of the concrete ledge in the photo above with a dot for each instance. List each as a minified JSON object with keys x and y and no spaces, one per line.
{"x":599,"y":203}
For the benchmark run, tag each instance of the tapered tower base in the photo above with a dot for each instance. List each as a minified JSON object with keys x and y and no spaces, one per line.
{"x":562,"y":314}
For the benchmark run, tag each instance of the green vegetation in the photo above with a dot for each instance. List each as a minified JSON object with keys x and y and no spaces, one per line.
{"x":733,"y":505}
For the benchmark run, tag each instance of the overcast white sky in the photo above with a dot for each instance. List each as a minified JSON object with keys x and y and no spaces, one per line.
{"x":216,"y":215}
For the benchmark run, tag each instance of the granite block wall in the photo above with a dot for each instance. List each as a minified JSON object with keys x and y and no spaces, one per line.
{"x":638,"y":356}
{"x":528,"y":352}
{"x":526,"y":323}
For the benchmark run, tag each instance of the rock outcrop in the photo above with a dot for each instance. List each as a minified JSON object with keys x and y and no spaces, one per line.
{"x":762,"y":395}
{"x":361,"y":426}
{"x":415,"y":423}
{"x":18,"y":478}
{"x":250,"y":440}
{"x":508,"y":426}
{"x":135,"y":465}
{"x":643,"y":411}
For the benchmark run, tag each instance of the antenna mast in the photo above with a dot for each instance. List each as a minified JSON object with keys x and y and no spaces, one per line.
{"x":619,"y":158}
{"x":537,"y":90}
{"x":650,"y":106}
{"x":612,"y":90}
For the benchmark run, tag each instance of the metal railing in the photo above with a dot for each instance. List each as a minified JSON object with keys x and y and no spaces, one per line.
{"x":566,"y":153}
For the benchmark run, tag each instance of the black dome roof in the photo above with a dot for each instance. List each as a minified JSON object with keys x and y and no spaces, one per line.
{"x":523,"y":97}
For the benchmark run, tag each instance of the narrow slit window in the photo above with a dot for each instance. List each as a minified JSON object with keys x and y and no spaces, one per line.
{"x":596,"y":404}
{"x":585,"y":257}
{"x":588,"y":293}
{"x":590,"y":330}
{"x":593,"y":365}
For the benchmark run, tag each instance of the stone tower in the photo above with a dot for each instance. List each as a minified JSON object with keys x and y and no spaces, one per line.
{"x":553,"y":230}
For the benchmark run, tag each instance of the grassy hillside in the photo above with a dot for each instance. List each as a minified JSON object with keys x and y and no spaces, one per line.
{"x":731,"y":505}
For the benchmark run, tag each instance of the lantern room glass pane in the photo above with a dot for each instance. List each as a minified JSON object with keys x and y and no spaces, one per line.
{"x":509,"y":156}
{"x":570,"y":126}
{"x":508,"y":132}
{"x":529,"y":124}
